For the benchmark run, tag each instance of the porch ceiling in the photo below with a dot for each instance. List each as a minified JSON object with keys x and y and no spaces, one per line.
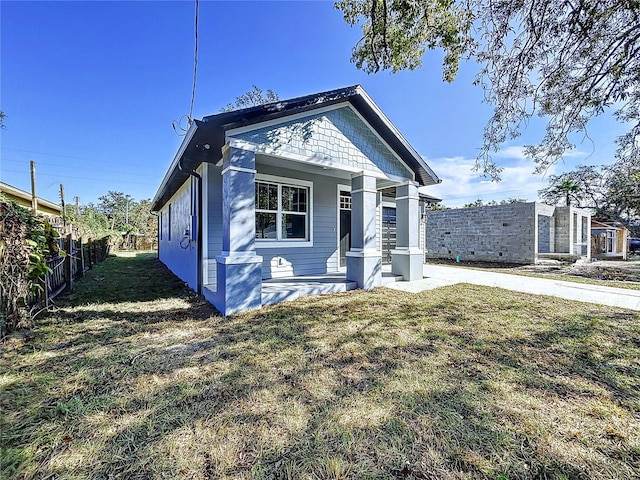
{"x":332,"y":171}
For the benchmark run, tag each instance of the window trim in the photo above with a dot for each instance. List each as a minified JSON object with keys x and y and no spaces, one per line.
{"x":288,"y":182}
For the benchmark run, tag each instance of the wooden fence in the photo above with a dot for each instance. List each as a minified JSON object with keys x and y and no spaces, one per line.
{"x":66,"y":269}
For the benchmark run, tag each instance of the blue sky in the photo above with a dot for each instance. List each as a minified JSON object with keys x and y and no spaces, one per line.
{"x":90,"y":90}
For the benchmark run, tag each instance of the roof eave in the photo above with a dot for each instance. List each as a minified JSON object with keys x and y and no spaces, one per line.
{"x":392,"y":128}
{"x":175,"y":164}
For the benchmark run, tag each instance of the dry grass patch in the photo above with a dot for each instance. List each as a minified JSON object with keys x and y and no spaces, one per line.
{"x":135,"y":377}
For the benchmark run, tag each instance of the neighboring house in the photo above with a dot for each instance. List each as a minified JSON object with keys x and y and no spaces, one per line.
{"x":513,"y":233}
{"x":296,"y":187}
{"x":609,"y":240}
{"x":22,"y":198}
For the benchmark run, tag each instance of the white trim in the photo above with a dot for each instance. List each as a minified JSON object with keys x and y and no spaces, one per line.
{"x":393,"y":152}
{"x":204,"y":221}
{"x":343,"y":188}
{"x":240,"y":144}
{"x":287,"y":118}
{"x":260,"y":244}
{"x":288,"y":243}
{"x":287,"y":180}
{"x":233,"y":168}
{"x":364,"y":253}
{"x":409,"y":197}
{"x":326,"y":162}
{"x":176,"y":159}
{"x":421,"y":161}
{"x":365,"y":190}
{"x":238,"y":258}
{"x":407,"y":251}
{"x":379,"y":222}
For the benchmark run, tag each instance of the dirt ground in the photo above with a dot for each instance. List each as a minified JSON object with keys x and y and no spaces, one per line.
{"x":622,"y":271}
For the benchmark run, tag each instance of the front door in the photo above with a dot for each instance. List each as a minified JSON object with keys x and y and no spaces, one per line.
{"x":344,"y":200}
{"x":388,"y":233}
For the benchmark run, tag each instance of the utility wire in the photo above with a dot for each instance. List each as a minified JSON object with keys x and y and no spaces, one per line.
{"x":75,"y":167}
{"x":80,"y":178}
{"x":177,"y":125}
{"x":195,"y":67}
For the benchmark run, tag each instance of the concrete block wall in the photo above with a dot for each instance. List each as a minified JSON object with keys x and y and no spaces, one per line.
{"x":496,"y":233}
{"x":563,"y":230}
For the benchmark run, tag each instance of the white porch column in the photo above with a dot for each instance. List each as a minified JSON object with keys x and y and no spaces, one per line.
{"x":239,"y":269}
{"x":364,"y":260}
{"x":407,"y":258}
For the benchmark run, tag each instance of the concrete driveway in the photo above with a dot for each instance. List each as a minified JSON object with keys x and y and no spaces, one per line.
{"x":439,"y":276}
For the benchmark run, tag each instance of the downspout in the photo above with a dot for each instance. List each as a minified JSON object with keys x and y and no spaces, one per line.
{"x":198,"y":213}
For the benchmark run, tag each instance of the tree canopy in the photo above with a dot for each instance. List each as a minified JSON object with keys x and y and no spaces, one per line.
{"x":253,"y":97}
{"x":567,"y":61}
{"x":612,"y":191}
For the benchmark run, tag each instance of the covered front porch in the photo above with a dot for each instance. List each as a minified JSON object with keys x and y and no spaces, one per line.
{"x":284,"y":235}
{"x":276,"y":290}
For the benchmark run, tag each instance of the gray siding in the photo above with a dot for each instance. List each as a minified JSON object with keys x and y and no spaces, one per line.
{"x":180,"y":260}
{"x":213,"y":201}
{"x":338,"y":134}
{"x":323,"y":256}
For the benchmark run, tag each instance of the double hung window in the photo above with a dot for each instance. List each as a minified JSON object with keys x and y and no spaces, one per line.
{"x":282,"y":212}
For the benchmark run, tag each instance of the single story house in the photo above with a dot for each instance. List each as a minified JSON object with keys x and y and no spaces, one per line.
{"x":521,"y":233}
{"x":24,"y":199}
{"x":297,"y":187}
{"x":609,"y":240}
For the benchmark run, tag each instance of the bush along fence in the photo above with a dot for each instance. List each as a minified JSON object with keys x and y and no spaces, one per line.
{"x":70,"y":264}
{"x":36,"y":264}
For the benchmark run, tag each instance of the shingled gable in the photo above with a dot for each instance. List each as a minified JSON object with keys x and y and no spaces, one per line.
{"x":205,"y":139}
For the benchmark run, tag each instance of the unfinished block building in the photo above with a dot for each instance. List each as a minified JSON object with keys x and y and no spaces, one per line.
{"x":514,"y":233}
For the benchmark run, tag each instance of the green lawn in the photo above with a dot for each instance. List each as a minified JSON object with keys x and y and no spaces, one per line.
{"x":132,"y":376}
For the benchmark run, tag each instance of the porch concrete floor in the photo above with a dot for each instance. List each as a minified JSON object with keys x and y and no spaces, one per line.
{"x":276,"y":290}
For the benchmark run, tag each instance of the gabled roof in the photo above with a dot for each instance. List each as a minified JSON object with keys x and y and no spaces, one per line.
{"x":204,"y":140}
{"x":24,"y":198}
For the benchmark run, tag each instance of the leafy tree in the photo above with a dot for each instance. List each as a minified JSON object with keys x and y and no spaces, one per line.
{"x":568,"y":61}
{"x":621,"y":199}
{"x":437,"y":206}
{"x":117,"y":215}
{"x":115,"y":205}
{"x":612,"y":191}
{"x":584,"y":185}
{"x":2,"y":117}
{"x":477,"y":203}
{"x":567,"y":189}
{"x":252,"y":98}
{"x":481,"y":203}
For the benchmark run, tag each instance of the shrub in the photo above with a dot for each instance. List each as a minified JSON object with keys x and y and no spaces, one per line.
{"x":25,"y":244}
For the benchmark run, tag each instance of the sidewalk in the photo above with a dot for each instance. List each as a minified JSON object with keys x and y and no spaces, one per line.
{"x":439,"y":276}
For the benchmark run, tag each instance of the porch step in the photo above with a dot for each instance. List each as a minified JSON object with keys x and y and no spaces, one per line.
{"x":288,"y":289}
{"x":388,"y":277}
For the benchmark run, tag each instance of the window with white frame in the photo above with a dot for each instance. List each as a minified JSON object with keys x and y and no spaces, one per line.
{"x":282,"y":211}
